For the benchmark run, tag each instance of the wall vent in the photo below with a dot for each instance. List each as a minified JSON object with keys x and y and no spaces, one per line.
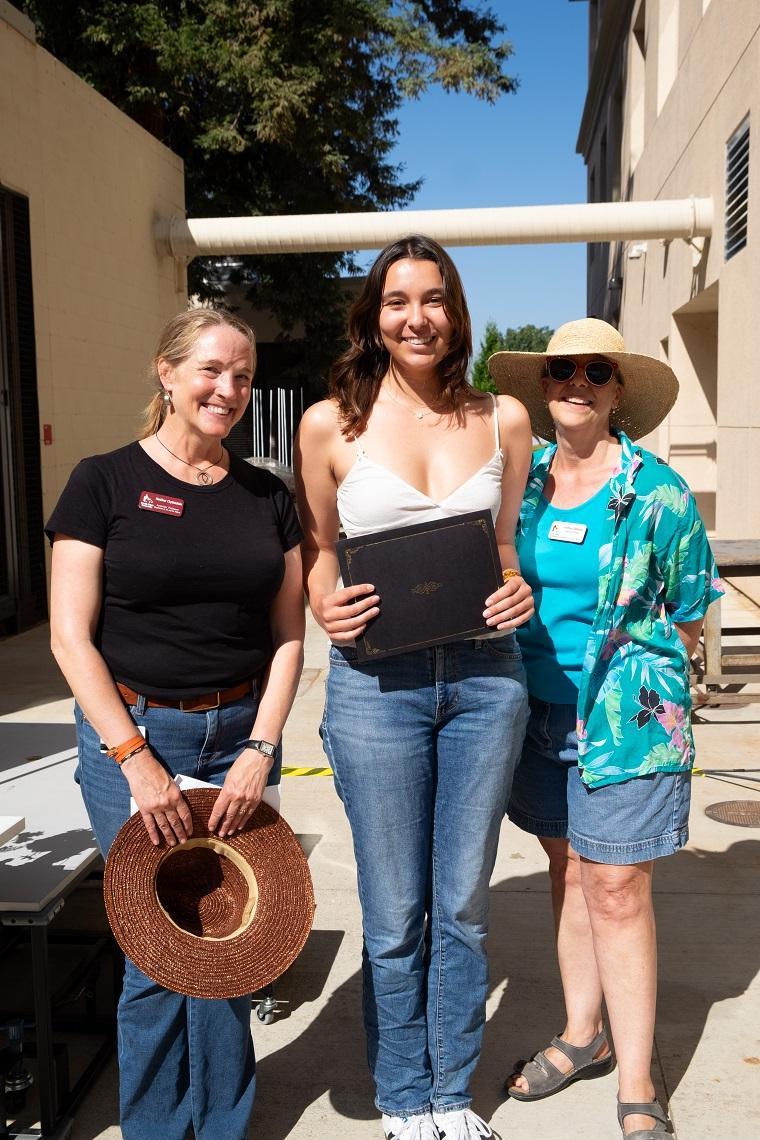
{"x":737,"y":189}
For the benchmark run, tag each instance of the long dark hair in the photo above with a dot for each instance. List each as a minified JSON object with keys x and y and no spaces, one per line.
{"x":356,"y":375}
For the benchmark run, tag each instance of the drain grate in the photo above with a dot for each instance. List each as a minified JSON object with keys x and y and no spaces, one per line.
{"x":739,"y":813}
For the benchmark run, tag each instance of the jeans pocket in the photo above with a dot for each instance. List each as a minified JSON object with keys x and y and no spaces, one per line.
{"x":80,"y":717}
{"x":502,"y":648}
{"x":342,"y":655}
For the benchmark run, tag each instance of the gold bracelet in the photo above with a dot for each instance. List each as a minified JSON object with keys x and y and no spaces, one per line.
{"x":510,"y":572}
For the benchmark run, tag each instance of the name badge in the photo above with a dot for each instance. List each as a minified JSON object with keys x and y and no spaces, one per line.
{"x":568,"y":532}
{"x":161,"y":504}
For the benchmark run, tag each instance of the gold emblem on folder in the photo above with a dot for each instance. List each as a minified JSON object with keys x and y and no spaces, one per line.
{"x":426,"y":587}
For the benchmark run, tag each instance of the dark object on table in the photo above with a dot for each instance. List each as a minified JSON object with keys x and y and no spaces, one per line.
{"x":433,"y":580}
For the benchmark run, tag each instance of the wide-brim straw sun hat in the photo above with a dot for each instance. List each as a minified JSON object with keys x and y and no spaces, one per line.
{"x":211,"y":917}
{"x":649,"y":386}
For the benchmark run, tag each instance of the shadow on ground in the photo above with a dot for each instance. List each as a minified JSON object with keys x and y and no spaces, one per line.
{"x":709,"y":939}
{"x":30,"y":668}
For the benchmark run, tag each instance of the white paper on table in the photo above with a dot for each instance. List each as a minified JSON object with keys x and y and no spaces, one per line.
{"x":271,"y":791}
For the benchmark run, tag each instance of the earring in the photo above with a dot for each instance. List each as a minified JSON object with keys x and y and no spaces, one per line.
{"x":167,"y":397}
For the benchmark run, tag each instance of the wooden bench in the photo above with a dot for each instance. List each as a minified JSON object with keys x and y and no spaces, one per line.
{"x":728,"y":668}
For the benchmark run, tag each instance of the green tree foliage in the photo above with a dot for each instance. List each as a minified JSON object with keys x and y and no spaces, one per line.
{"x":279,"y":107}
{"x":491,"y":343}
{"x":527,"y":338}
{"x":524,"y":338}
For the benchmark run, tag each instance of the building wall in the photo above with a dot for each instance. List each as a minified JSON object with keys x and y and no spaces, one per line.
{"x":689,"y":73}
{"x":95,"y":181}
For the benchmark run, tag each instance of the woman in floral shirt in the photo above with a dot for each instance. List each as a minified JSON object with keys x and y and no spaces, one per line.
{"x":611,"y":542}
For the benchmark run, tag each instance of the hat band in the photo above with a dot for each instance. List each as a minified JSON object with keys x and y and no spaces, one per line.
{"x":224,"y":851}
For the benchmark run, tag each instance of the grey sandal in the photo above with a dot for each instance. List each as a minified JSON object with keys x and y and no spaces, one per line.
{"x":651,"y":1108}
{"x":545,"y":1079}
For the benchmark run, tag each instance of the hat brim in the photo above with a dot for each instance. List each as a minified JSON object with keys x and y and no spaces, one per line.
{"x":211,"y":967}
{"x":649,"y":388}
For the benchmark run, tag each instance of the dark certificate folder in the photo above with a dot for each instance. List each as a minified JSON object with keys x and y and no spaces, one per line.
{"x":433,"y":580}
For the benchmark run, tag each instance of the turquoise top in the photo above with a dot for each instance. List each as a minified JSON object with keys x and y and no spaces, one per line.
{"x":655,"y":568}
{"x":565,"y":593}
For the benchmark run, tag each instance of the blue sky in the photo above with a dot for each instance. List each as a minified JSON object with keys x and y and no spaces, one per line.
{"x":519,"y":152}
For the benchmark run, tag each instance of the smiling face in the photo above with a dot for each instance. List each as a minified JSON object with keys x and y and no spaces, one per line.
{"x":413,"y":323}
{"x":211,"y":387}
{"x":576,"y":405}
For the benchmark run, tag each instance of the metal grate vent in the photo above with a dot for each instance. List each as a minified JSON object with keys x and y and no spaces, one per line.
{"x":737,"y":189}
{"x":740,"y":813}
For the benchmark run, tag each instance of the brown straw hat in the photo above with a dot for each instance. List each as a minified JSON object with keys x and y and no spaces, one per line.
{"x":210,"y":918}
{"x":649,"y":386}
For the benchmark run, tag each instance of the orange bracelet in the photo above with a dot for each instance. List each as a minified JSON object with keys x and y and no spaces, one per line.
{"x":121,"y":752}
{"x":510,"y":572}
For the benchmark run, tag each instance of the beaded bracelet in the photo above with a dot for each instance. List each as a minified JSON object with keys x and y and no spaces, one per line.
{"x":121,"y":752}
{"x":510,"y":572}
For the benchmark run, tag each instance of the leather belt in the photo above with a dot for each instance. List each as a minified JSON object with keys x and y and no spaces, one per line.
{"x":190,"y":704}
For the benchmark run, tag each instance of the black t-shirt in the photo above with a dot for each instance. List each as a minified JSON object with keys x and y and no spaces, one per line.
{"x":189,"y":572}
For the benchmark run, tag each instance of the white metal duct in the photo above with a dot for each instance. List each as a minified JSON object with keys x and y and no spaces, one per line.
{"x":508,"y":225}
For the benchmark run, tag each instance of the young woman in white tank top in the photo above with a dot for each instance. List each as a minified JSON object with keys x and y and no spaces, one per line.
{"x":423,"y":745}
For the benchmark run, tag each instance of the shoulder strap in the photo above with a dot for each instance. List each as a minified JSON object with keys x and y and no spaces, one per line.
{"x":496,"y":438}
{"x":360,"y":452}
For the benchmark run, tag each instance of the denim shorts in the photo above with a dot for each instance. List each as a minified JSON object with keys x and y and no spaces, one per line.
{"x":631,"y":822}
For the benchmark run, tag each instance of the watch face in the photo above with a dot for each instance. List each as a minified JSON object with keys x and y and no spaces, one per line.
{"x":265,"y":747}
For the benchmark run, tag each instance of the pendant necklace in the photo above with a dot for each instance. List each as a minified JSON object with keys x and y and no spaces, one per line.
{"x":419,"y":414}
{"x":203,"y":472}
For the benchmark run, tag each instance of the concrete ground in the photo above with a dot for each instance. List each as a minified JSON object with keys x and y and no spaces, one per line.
{"x":312,"y":1077}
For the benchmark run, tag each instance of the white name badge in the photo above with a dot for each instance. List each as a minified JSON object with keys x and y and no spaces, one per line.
{"x":568,"y":532}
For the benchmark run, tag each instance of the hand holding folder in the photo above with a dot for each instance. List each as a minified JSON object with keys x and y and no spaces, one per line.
{"x":433,"y":579}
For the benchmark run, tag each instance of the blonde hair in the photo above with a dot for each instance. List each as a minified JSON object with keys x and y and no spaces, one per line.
{"x":176,"y":342}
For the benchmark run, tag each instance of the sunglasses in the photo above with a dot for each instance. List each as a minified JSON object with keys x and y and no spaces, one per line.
{"x":598,"y":372}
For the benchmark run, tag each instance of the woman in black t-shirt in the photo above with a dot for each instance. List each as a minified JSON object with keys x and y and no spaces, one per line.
{"x":177,"y":618}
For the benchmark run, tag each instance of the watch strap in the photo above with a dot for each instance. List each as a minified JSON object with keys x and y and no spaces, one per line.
{"x":265,"y":747}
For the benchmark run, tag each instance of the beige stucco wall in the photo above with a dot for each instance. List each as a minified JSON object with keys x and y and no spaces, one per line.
{"x":698,"y":312}
{"x":708,"y":309}
{"x":95,"y":181}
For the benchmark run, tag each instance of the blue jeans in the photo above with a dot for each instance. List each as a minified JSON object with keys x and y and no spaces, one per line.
{"x":183,"y":1062}
{"x":423,"y":747}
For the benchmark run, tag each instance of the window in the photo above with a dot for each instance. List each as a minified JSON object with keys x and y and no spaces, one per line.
{"x":592,"y":198}
{"x":637,"y":86}
{"x":23,"y":597}
{"x":737,"y":190}
{"x":667,"y":50}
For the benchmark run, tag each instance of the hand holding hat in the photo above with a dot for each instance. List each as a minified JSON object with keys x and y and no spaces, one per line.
{"x":212,"y":917}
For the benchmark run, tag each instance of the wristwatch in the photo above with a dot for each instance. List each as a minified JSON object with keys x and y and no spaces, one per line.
{"x":262,"y":746}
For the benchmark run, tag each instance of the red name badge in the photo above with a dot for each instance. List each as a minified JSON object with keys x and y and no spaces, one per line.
{"x":161,"y":504}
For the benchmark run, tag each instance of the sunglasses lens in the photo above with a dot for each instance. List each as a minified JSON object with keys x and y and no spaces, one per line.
{"x":561,"y":369}
{"x":599,"y":372}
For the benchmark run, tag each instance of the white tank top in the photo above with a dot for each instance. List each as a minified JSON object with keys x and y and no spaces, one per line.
{"x":372,"y":497}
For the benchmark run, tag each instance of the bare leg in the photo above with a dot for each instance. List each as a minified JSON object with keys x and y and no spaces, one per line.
{"x":619,"y":901}
{"x":580,"y":978}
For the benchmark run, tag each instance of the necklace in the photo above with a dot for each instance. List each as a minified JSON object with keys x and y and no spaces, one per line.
{"x":203,"y":472}
{"x":418,"y":414}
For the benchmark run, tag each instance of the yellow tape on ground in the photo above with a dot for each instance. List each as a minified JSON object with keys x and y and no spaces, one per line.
{"x":307,"y":771}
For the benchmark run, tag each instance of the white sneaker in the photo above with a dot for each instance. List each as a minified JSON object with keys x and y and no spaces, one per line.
{"x":461,"y":1124}
{"x":419,"y":1127}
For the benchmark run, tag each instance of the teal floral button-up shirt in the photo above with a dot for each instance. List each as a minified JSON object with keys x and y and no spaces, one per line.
{"x":655,"y":569}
